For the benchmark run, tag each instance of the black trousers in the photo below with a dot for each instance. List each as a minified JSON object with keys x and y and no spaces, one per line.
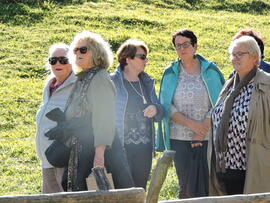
{"x":183,"y":154}
{"x":233,"y":180}
{"x":140,"y":162}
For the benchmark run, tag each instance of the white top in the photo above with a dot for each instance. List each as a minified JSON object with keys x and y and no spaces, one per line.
{"x":192,"y":100}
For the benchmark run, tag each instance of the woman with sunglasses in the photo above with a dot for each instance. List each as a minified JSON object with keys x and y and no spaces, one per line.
{"x":188,"y":91}
{"x":92,"y":101}
{"x":137,"y":107}
{"x":55,"y":93}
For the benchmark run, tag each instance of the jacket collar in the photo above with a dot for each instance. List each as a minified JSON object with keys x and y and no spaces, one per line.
{"x":204,"y":64}
{"x":143,"y":76}
{"x":71,"y":79}
{"x":262,"y":80}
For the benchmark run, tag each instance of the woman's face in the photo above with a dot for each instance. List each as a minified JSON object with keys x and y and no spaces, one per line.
{"x":83,"y":55}
{"x":242,"y":61}
{"x":139,"y":61}
{"x":184,"y":48}
{"x":60,"y":71}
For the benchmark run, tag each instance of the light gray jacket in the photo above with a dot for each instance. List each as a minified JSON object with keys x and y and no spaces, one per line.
{"x":58,"y":99}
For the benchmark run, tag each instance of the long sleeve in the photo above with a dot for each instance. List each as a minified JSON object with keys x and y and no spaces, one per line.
{"x":102,"y":101}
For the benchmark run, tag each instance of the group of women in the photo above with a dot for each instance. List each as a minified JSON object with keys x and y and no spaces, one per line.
{"x":222,"y":128}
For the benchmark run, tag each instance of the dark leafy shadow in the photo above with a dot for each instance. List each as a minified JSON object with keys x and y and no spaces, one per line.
{"x":255,"y":7}
{"x":29,"y":12}
{"x":115,"y":43}
{"x":20,"y":14}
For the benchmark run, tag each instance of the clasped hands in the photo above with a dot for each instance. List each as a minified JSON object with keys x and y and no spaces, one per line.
{"x":200,"y":129}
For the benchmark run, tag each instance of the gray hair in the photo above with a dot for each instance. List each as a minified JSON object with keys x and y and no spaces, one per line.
{"x":52,"y":49}
{"x":248,"y":43}
{"x":102,"y":56}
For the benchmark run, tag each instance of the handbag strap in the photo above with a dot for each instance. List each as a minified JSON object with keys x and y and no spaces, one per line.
{"x":75,"y":145}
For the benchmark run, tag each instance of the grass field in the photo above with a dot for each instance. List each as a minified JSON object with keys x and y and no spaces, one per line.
{"x":28,"y":29}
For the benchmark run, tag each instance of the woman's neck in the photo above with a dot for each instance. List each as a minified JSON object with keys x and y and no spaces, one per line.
{"x":60,"y":80}
{"x":131,"y":74}
{"x":191,"y":66}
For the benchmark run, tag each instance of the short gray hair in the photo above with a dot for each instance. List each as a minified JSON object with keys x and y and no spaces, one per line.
{"x":248,"y":43}
{"x":102,"y":56}
{"x":53,"y":48}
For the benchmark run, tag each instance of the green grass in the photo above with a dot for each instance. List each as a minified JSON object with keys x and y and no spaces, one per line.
{"x":28,"y":29}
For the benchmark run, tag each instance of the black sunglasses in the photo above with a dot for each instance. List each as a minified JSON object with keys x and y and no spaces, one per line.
{"x":63,"y":60}
{"x":141,"y":56}
{"x":83,"y":50}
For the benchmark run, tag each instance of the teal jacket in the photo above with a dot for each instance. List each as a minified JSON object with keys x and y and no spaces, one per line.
{"x":213,"y":80}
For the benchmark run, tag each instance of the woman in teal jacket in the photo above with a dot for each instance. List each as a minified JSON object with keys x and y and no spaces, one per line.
{"x":189,"y":89}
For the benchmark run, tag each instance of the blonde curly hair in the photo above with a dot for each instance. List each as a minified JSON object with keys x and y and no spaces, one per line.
{"x":102,"y":55}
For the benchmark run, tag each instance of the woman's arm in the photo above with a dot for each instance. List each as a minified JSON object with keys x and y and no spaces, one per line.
{"x":99,"y":156}
{"x":156,"y":103}
{"x":102,"y":104}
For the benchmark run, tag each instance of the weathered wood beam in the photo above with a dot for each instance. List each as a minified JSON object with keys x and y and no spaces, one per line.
{"x":132,"y":195}
{"x":251,"y":198}
{"x":159,"y":176}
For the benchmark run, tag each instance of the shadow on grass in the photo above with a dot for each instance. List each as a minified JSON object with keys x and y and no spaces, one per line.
{"x":254,"y":7}
{"x":20,"y":14}
{"x":29,"y":12}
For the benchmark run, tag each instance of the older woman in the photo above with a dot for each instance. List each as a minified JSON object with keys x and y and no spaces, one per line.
{"x":93,"y":99}
{"x":189,"y":89}
{"x":55,"y":93}
{"x":259,"y":39}
{"x":241,"y":140}
{"x":137,"y":107}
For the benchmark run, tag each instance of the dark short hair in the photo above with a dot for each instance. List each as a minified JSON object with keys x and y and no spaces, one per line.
{"x":128,"y":50}
{"x":256,"y":36}
{"x":185,"y":33}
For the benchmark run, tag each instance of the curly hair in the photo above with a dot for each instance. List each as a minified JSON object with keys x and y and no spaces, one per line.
{"x":102,"y":56}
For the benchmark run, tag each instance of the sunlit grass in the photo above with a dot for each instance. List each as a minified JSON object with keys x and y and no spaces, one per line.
{"x":27,"y":30}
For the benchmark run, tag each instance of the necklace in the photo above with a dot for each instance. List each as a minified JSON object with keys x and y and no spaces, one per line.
{"x":141,"y":95}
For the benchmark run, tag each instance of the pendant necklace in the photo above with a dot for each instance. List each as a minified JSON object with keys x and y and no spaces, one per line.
{"x":141,"y":95}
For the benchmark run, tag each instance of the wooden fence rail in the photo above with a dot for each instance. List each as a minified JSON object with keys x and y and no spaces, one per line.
{"x":251,"y":198}
{"x":132,"y":195}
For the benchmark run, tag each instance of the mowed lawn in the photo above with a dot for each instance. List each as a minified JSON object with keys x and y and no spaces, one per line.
{"x":27,"y":31}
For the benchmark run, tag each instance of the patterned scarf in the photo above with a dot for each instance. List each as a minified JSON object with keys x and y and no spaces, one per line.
{"x":223,"y":127}
{"x":76,"y":148}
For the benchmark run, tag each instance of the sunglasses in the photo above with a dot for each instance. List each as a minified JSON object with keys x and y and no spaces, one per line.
{"x":62,"y":60}
{"x":141,"y":56}
{"x":82,"y":50}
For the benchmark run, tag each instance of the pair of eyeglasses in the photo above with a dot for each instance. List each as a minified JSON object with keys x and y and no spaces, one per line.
{"x":184,"y":45}
{"x":82,"y":50}
{"x":62,"y":60}
{"x":141,"y":56}
{"x":238,"y":55}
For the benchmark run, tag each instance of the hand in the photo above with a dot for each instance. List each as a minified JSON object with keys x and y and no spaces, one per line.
{"x":200,"y":128}
{"x":196,"y":137}
{"x":99,"y":156}
{"x":150,"y":111}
